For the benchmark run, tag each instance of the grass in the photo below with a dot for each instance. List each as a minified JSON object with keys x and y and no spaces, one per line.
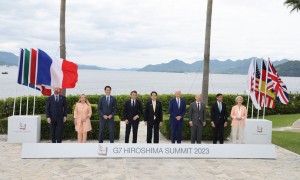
{"x":287,"y":140}
{"x":283,"y":120}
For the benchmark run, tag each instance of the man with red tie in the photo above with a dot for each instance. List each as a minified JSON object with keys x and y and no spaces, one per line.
{"x":177,"y":109}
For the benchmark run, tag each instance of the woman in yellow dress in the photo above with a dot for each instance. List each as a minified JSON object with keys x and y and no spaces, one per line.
{"x":82,"y":115}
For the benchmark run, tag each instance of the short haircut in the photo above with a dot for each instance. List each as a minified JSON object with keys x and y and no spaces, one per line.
{"x":107,"y":87}
{"x":239,"y":97}
{"x":153,"y":92}
{"x":133,"y":92}
{"x":219,"y":94}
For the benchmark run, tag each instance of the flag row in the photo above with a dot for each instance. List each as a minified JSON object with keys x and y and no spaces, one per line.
{"x":39,"y":71}
{"x":265,"y":86}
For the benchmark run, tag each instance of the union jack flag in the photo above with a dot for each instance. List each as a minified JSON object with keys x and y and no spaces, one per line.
{"x":276,"y":85}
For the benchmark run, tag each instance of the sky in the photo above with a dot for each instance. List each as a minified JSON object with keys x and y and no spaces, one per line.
{"x":135,"y":33}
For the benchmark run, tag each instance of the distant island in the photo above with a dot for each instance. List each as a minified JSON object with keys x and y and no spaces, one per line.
{"x":284,"y":67}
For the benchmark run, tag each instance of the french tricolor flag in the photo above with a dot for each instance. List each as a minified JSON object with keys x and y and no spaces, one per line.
{"x":55,"y":73}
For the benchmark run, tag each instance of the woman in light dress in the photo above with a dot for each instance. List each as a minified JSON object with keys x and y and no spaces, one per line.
{"x":82,"y":115}
{"x":238,"y":115}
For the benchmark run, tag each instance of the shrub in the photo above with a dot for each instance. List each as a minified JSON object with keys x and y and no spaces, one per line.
{"x":186,"y":131}
{"x":291,"y":108}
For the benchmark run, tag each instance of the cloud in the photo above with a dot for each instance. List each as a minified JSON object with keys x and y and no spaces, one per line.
{"x":134,"y":33}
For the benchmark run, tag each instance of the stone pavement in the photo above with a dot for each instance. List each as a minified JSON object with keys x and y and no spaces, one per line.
{"x":286,"y":166}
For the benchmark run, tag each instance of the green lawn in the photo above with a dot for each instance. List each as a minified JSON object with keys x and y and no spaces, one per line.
{"x":283,"y":120}
{"x":287,"y":140}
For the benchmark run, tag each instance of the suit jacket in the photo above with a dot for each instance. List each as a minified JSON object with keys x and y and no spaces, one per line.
{"x":216,"y":116}
{"x":234,"y":115}
{"x":149,"y":113}
{"x":177,"y":111}
{"x":107,"y":109}
{"x":197,"y":117}
{"x":130,"y":112}
{"x":56,"y":110}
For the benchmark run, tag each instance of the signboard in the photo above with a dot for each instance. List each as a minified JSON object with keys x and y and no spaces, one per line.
{"x":24,"y":129}
{"x":121,"y":150}
{"x":258,"y":131}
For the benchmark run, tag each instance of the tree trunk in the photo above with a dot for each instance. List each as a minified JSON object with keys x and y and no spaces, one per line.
{"x":62,"y":33}
{"x":205,"y":79}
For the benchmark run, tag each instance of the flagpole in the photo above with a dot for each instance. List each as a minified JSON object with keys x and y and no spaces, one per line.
{"x":14,"y":108}
{"x":28,"y":80}
{"x":22,"y":80}
{"x":266,"y":84}
{"x":249,"y":85}
{"x":252,"y":113}
{"x":259,"y":87}
{"x":36,"y":67}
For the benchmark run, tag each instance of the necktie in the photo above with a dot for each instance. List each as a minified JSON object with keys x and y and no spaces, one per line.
{"x":56,"y":98}
{"x":220,"y":106}
{"x":154,"y":105}
{"x":107,"y":99}
{"x":198,"y":106}
{"x":178,"y":103}
{"x":133,"y":103}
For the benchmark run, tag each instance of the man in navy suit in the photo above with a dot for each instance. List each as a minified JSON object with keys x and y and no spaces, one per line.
{"x":218,"y":119}
{"x":153,"y":117}
{"x":56,"y":112}
{"x":107,"y":107}
{"x":177,"y":109}
{"x":132,"y":113}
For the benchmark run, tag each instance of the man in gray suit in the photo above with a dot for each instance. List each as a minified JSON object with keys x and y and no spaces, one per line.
{"x":107,"y":107}
{"x":197,"y":119}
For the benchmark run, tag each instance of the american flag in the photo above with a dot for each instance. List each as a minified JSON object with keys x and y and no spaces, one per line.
{"x":276,"y":85}
{"x":253,"y":82}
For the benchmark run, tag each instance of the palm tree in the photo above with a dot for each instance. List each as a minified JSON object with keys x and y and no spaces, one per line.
{"x":294,"y":4}
{"x":62,"y":32}
{"x":206,"y":60}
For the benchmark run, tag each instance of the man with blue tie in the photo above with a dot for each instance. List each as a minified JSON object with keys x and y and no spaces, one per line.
{"x":132,"y":113}
{"x":107,"y":107}
{"x":218,"y":119}
{"x":56,"y":112}
{"x":177,"y":109}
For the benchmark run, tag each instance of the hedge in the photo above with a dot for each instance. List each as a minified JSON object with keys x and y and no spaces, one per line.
{"x":69,"y":128}
{"x":186,"y":130}
{"x":6,"y":110}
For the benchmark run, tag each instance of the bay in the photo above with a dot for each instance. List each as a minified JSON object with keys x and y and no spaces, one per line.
{"x":123,"y":82}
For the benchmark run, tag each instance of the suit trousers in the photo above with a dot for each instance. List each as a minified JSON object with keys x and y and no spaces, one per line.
{"x":218,"y":133}
{"x":150,"y":127}
{"x":135,"y":126}
{"x":237,"y":134}
{"x":56,"y":128}
{"x":196,"y":133}
{"x":176,"y":131}
{"x":103,"y":123}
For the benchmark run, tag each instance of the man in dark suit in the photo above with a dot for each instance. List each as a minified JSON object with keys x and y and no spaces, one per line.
{"x":153,"y":117}
{"x":218,"y":119}
{"x":197,"y":119}
{"x":177,"y":109}
{"x":132,"y":113}
{"x":56,"y":112}
{"x":107,"y":107}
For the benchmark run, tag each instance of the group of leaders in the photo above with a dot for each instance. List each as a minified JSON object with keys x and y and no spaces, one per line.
{"x":56,"y":112}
